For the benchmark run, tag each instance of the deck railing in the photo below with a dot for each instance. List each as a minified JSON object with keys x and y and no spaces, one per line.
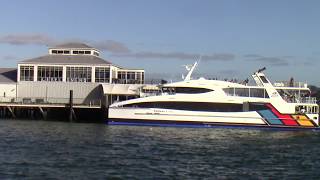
{"x":290,"y":84}
{"x":307,"y":100}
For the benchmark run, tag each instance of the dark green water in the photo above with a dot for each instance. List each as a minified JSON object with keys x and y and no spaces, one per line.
{"x":39,"y":149}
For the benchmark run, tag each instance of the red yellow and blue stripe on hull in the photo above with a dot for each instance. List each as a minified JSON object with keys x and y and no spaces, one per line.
{"x":274,"y":118}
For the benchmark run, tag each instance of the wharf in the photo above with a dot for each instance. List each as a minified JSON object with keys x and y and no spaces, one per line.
{"x":54,"y":109}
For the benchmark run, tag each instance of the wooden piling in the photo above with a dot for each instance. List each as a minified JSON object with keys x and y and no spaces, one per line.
{"x":71,"y":112}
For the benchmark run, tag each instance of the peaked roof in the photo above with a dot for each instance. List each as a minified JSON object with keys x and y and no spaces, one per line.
{"x":73,"y":45}
{"x":67,"y":59}
{"x":8,"y":75}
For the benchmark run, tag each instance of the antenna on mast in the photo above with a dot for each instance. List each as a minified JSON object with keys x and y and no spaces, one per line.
{"x":190,"y":69}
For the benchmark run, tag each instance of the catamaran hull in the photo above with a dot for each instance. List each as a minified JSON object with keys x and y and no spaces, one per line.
{"x":182,"y":118}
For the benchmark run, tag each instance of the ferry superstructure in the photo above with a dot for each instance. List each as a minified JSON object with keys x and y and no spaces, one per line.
{"x":208,"y":103}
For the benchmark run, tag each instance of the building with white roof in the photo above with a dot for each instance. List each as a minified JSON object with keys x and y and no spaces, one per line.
{"x":76,"y":62}
{"x":71,"y":66}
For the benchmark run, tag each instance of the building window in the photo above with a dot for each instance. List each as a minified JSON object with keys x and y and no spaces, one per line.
{"x":95,"y":53}
{"x":49,"y":73}
{"x":122,"y":77}
{"x":26,"y":73}
{"x":102,"y":74}
{"x":132,"y":77}
{"x":78,"y":74}
{"x":140,"y":78}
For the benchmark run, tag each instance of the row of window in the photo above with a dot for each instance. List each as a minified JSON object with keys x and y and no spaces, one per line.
{"x":74,"y":52}
{"x":204,"y":106}
{"x":246,"y":92}
{"x":78,"y":74}
{"x":81,"y":52}
{"x":130,"y":75}
{"x":49,"y":73}
{"x":192,"y":106}
{"x":185,"y":90}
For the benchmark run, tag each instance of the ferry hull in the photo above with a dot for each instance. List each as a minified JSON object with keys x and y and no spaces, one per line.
{"x":180,"y":118}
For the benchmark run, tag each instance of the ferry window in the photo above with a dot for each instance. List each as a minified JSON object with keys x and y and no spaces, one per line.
{"x":192,"y":106}
{"x":241,"y":92}
{"x":246,"y":92}
{"x":257,"y":107}
{"x":169,"y":90}
{"x":54,"y":51}
{"x":191,"y":90}
{"x":26,"y":73}
{"x":75,"y":52}
{"x":87,"y":52}
{"x":264,"y":79}
{"x":66,"y":52}
{"x":60,"y":52}
{"x":229,"y":91}
{"x":257,"y":92}
{"x":81,"y":52}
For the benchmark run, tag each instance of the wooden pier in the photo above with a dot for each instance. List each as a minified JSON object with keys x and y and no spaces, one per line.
{"x":62,"y":110}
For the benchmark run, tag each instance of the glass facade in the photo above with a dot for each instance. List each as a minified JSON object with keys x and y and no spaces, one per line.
{"x":102,"y":74}
{"x":50,"y":73}
{"x":26,"y":73}
{"x":78,"y":74}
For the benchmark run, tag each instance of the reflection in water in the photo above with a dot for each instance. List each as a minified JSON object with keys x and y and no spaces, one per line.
{"x":39,"y":149}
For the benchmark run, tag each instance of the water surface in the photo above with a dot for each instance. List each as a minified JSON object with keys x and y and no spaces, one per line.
{"x":41,"y":149}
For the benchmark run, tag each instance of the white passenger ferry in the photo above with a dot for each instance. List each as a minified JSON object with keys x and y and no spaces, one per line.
{"x":210,"y":103}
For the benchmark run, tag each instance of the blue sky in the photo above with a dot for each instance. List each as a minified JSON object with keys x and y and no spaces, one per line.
{"x":235,"y":37}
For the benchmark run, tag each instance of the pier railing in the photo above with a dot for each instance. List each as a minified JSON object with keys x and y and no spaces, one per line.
{"x":50,"y":101}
